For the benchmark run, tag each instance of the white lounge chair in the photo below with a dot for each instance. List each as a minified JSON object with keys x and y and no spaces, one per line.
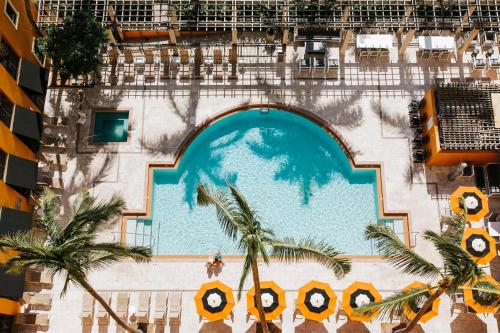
{"x":175,"y":307}
{"x":160,"y":306}
{"x":143,"y":308}
{"x":102,"y":314}
{"x":40,"y":301}
{"x":122,"y":305}
{"x":87,"y":306}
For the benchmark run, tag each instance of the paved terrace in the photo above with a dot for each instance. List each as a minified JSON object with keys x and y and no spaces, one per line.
{"x":367,"y":106}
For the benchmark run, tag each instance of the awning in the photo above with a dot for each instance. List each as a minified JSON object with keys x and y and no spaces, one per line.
{"x":11,"y":286}
{"x":12,"y":220}
{"x":374,"y":41}
{"x":27,"y":123}
{"x":33,"y":77}
{"x":21,"y":173}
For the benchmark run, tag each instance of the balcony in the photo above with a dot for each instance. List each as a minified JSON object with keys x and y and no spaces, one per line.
{"x":9,"y":59}
{"x":33,"y":80}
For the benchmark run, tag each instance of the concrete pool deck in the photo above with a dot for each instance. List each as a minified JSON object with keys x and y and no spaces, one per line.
{"x":367,"y":107}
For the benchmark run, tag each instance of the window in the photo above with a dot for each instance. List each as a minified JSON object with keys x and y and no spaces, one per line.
{"x":9,"y":59}
{"x":37,"y":51}
{"x":11,"y":13}
{"x":3,"y":160}
{"x":5,"y":110}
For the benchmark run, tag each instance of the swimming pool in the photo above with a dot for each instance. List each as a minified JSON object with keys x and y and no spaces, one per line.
{"x":110,"y":126}
{"x":291,"y":170}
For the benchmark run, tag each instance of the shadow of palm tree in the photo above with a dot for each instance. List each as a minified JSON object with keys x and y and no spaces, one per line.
{"x":300,"y":164}
{"x":206,"y":164}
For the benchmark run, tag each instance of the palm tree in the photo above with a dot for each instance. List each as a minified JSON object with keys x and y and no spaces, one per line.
{"x":242,"y":224}
{"x":458,"y":270}
{"x":70,"y":247}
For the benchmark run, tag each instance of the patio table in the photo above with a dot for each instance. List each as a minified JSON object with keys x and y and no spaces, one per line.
{"x":435,"y":43}
{"x":371,"y":41}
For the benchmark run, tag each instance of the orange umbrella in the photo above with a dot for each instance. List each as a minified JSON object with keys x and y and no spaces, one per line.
{"x":470,"y":297}
{"x":214,"y":301}
{"x":357,"y":295}
{"x":479,"y":244}
{"x":316,"y":300}
{"x":273,"y":300}
{"x":471,"y":198}
{"x":411,"y":312}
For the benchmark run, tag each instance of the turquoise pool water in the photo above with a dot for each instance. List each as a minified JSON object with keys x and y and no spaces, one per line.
{"x":292,"y":171}
{"x":110,"y":126}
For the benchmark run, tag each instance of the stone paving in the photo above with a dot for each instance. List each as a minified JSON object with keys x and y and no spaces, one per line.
{"x":366,"y":106}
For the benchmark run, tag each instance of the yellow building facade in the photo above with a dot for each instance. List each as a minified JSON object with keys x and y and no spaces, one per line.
{"x":23,"y":81}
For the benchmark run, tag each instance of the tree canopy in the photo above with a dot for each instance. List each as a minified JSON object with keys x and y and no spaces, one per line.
{"x":74,"y":45}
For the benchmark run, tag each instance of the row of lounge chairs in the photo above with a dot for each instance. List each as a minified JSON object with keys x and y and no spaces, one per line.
{"x":168,"y":65}
{"x":167,"y":308}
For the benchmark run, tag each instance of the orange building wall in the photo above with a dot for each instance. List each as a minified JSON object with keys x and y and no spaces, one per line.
{"x":21,"y":41}
{"x":448,"y":157}
{"x":9,"y":196}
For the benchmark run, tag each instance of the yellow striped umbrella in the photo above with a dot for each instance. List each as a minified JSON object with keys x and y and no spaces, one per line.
{"x":470,"y":297}
{"x":316,"y":300}
{"x":357,"y":295}
{"x":411,"y":312}
{"x":479,"y":244}
{"x":273,"y":300}
{"x":472,"y":199}
{"x":214,"y":300}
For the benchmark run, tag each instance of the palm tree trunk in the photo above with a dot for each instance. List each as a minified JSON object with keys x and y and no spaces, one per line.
{"x":29,"y":14}
{"x":258,"y":295}
{"x":422,"y":311}
{"x":108,"y":309}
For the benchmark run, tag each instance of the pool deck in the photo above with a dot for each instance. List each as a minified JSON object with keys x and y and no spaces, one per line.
{"x":367,"y":107}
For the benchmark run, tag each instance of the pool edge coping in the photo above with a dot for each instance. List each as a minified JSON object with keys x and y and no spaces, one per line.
{"x":197,"y":130}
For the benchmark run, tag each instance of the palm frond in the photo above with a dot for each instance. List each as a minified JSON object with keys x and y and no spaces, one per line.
{"x":395,"y":304}
{"x":398,"y":254}
{"x":47,"y":221}
{"x":455,"y":226}
{"x":227,"y":214}
{"x":288,"y":250}
{"x":459,"y":265}
{"x":247,"y":266}
{"x":246,"y":213}
{"x":486,"y":293}
{"x":89,"y":215}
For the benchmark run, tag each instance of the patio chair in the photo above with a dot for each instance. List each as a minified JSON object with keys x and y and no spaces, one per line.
{"x":40,"y":301}
{"x":122,"y":305}
{"x":296,"y":312}
{"x":175,"y":307}
{"x":164,"y":64}
{"x":160,"y":306}
{"x":143,"y":308}
{"x":149,"y":66}
{"x":102,"y":314}
{"x":217,"y":57}
{"x":458,"y":305}
{"x":87,"y":306}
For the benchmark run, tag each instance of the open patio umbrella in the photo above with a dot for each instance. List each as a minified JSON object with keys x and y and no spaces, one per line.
{"x":273,"y":300}
{"x":357,"y":295}
{"x":479,"y":244}
{"x":316,"y":300}
{"x":473,"y":199}
{"x":214,"y":300}
{"x":470,"y":297}
{"x":411,"y":312}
